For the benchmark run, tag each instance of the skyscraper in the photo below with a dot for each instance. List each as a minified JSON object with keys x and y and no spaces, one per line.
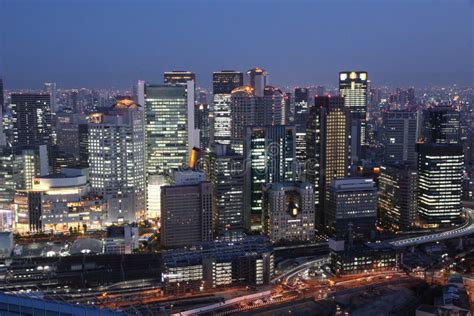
{"x":353,"y":87}
{"x":397,"y":197}
{"x":50,"y":88}
{"x":288,"y":211}
{"x":139,"y":92}
{"x":274,"y":106}
{"x":2,"y":98}
{"x":116,"y":153}
{"x":170,"y":133}
{"x":328,"y":146}
{"x":31,"y":119}
{"x":301,"y":105}
{"x":257,"y":78}
{"x":223,"y":82}
{"x":440,"y":177}
{"x":243,"y":113}
{"x":399,"y":136}
{"x":201,"y":111}
{"x":179,"y":77}
{"x":443,"y":125}
{"x":351,"y":208}
{"x":186,"y":212}
{"x":225,"y":171}
{"x":270,"y":157}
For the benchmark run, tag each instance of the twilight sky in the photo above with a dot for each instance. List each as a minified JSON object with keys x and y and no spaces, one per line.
{"x":106,"y":43}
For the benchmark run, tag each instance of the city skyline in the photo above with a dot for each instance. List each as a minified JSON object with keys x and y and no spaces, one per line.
{"x":103,"y":49}
{"x":236,"y":157}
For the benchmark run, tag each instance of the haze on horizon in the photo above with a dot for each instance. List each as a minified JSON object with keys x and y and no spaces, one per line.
{"x":114,"y":43}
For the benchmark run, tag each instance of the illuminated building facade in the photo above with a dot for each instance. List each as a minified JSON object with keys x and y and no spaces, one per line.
{"x":353,"y":87}
{"x":301,"y":105}
{"x":178,"y":77}
{"x":31,"y":119}
{"x":440,"y":177}
{"x":59,"y":203}
{"x":351,"y":208}
{"x":443,"y":124}
{"x":243,"y":113}
{"x":217,"y":264}
{"x":368,"y":258}
{"x":202,"y":124}
{"x":396,"y":206}
{"x":270,"y":157}
{"x":225,"y":171}
{"x":328,"y":146}
{"x":274,"y":106}
{"x":399,"y":137}
{"x":170,"y":132}
{"x":257,"y":78}
{"x":288,"y":211}
{"x":116,"y":150}
{"x":223,"y":82}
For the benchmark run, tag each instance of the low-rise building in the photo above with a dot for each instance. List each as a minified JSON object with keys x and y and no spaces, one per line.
{"x":217,"y":264}
{"x":363,"y":258}
{"x":59,"y":203}
{"x":121,"y":239}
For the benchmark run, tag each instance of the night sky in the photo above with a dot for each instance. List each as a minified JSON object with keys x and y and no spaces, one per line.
{"x":105,"y":43}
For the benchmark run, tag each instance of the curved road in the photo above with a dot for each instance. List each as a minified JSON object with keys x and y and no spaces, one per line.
{"x":460,"y":231}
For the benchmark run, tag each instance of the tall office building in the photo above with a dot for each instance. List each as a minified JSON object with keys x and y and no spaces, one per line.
{"x":397,"y":210}
{"x":328,"y":146}
{"x":225,"y":171}
{"x":270,"y":157}
{"x":116,"y":154}
{"x":178,"y":77}
{"x":257,"y":78}
{"x":243,"y":113}
{"x":170,"y":132}
{"x":301,"y":110}
{"x":3,"y":138}
{"x":443,"y":125}
{"x":288,"y":211}
{"x":274,"y":106}
{"x":2,"y":98}
{"x":8,"y":182}
{"x":301,"y":105}
{"x":351,"y":208}
{"x":353,"y":87}
{"x":202,"y":124}
{"x":31,"y":119}
{"x":223,"y":83}
{"x":50,"y":88}
{"x":138,"y":92}
{"x":186,"y":212}
{"x":399,"y":137}
{"x":440,"y":177}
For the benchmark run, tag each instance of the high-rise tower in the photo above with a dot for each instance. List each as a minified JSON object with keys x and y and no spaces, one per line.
{"x":353,"y":87}
{"x":223,"y":82}
{"x":328,"y":146}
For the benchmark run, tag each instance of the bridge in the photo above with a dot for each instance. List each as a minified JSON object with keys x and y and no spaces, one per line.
{"x":292,"y":272}
{"x":460,"y":231}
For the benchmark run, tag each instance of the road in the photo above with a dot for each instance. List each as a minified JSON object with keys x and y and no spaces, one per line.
{"x":294,"y":271}
{"x":464,"y":230}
